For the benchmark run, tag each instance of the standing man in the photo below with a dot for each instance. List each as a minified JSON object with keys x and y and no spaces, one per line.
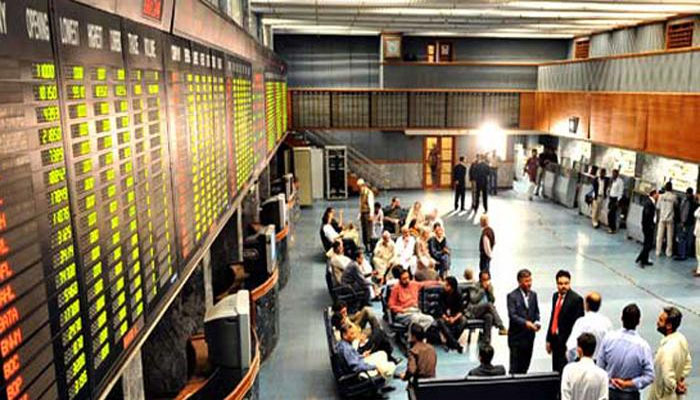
{"x":583,"y":380}
{"x":493,"y":173}
{"x":422,"y":358}
{"x":434,"y":163}
{"x":686,"y":224}
{"x":524,"y":315}
{"x":672,"y":362}
{"x":366,"y":212}
{"x":481,"y":179}
{"x":667,"y":213}
{"x":617,"y":190}
{"x":600,"y":188}
{"x":486,"y":243}
{"x":472,"y":180}
{"x":531,"y":170}
{"x":648,"y":215}
{"x":592,"y":322}
{"x":567,"y":307}
{"x":627,"y":358}
{"x":460,"y":176}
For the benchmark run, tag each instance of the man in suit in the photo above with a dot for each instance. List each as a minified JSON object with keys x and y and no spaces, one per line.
{"x":481,"y":178}
{"x":600,"y":190}
{"x":524,"y":315}
{"x":567,"y":307}
{"x":648,"y":214}
{"x":460,"y":176}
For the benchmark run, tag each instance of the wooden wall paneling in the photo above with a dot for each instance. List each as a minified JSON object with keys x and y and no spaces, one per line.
{"x":541,"y":111}
{"x":673,"y":125}
{"x":628,"y":124}
{"x":527,"y":111}
{"x":601,"y":114}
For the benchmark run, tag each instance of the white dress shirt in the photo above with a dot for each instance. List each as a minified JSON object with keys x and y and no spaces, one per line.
{"x":583,"y":380}
{"x":330,"y":233}
{"x":672,"y":362}
{"x":617,"y":188}
{"x":592,"y":322}
{"x":697,"y":222}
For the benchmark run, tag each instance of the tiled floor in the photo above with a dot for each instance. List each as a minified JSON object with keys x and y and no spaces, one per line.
{"x":538,"y":235}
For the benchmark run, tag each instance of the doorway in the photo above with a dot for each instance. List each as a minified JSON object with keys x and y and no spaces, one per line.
{"x":438,"y":151}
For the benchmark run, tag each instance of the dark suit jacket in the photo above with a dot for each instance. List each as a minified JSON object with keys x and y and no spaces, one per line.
{"x":648,"y":214}
{"x":460,"y":174}
{"x":596,"y":188}
{"x":571,"y":310}
{"x":487,"y":370}
{"x":518,"y":314}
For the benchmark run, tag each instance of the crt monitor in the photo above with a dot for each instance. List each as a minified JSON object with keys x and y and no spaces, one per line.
{"x":259,"y":250}
{"x":274,"y":211}
{"x":227,"y":331}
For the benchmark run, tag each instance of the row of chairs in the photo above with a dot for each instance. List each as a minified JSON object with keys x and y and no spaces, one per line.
{"x":429,"y":303}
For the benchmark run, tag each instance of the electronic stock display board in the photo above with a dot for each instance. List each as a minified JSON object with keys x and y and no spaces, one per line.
{"x":121,"y":148}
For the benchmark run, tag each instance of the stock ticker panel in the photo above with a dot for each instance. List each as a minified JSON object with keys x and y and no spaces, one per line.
{"x":198,"y":140}
{"x":111,"y":176}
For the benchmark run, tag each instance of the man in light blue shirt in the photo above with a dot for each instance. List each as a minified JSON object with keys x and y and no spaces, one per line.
{"x":627,"y":358}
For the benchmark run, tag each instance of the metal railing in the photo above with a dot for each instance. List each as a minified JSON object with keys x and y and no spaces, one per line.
{"x":358,"y":163}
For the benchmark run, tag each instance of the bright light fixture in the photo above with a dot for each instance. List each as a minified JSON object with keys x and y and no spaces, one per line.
{"x":491,"y":137}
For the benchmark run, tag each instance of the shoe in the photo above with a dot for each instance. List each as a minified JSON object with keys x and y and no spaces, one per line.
{"x":696,"y":274}
{"x":396,"y":360}
{"x":611,"y":231}
{"x":648,"y":264}
{"x":503,"y":332}
{"x":389,"y":388}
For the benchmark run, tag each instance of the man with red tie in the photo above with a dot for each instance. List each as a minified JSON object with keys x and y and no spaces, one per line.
{"x":567,"y":307}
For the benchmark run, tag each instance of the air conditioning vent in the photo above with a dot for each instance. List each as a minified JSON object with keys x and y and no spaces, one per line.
{"x":679,"y":35}
{"x":581,"y":49}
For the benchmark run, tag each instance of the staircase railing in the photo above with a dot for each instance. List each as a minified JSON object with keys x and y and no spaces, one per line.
{"x":358,"y":163}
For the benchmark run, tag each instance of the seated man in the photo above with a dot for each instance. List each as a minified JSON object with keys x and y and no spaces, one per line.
{"x":372,"y":363}
{"x":452,"y":321}
{"x":406,"y":249}
{"x":439,"y":250}
{"x":421,"y":357}
{"x":385,"y":255}
{"x":393,"y":216}
{"x":481,"y":307}
{"x":371,"y":338}
{"x":425,"y":273}
{"x":338,"y":260}
{"x":485,"y":368}
{"x":469,"y":276}
{"x":354,"y":277}
{"x":403,"y":301}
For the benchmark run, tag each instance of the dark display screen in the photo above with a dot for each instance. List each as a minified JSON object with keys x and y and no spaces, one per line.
{"x":122,"y":148}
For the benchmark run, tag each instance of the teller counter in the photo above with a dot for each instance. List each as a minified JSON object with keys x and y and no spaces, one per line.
{"x":634,"y":222}
{"x":227,"y":384}
{"x":565,"y":186}
{"x":548,"y":181}
{"x":266,"y":314}
{"x":282,"y":239}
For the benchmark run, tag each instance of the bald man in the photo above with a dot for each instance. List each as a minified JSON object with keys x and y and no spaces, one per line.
{"x":592,"y":322}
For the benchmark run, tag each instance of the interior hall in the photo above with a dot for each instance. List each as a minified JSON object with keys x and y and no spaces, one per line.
{"x":349,"y":199}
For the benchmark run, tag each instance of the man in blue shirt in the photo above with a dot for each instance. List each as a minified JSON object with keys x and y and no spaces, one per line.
{"x":355,"y":362}
{"x":627,"y":358}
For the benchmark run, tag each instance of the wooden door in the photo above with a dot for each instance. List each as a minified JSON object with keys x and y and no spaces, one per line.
{"x":442,"y":149}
